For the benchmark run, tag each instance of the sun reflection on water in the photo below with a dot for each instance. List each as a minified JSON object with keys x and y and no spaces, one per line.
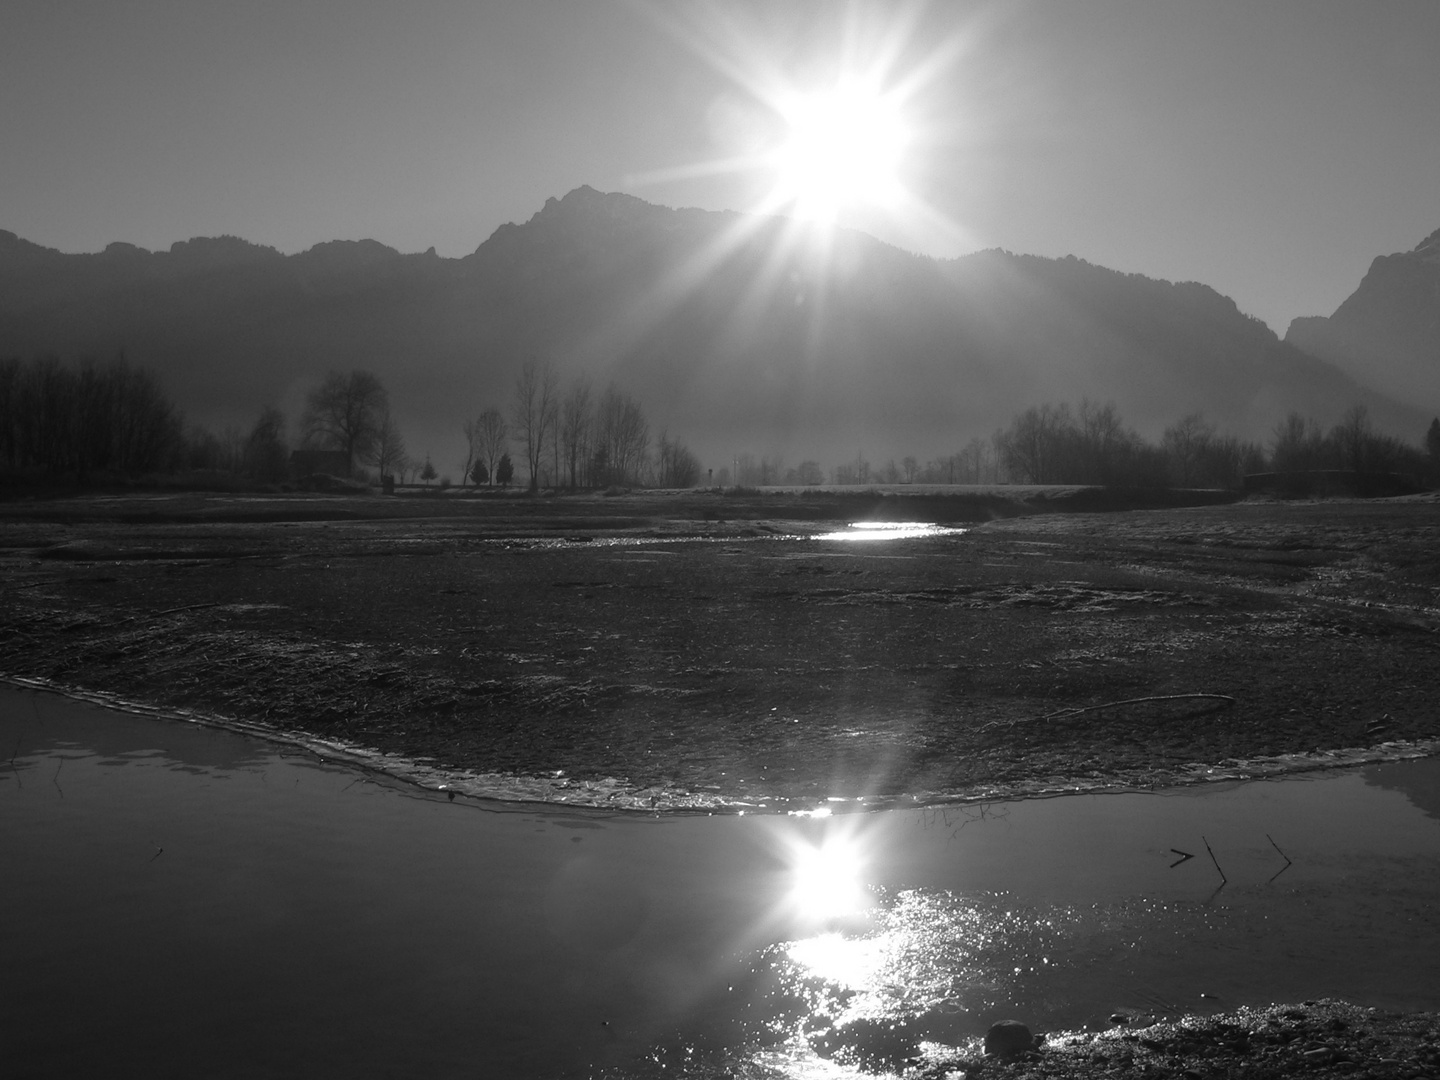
{"x":849,"y":963}
{"x":890,"y":530}
{"x":860,"y":972}
{"x":926,"y":965}
{"x":827,"y":878}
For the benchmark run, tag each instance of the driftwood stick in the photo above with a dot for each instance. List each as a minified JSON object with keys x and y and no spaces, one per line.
{"x":1277,"y":848}
{"x":187,"y":607}
{"x":1223,"y":879}
{"x":1226,"y":698}
{"x":1140,"y":701}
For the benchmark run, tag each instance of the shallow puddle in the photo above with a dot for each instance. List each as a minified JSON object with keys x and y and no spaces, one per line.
{"x":186,"y":901}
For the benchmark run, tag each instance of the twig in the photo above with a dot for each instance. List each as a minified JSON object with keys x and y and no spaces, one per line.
{"x":1184,"y":856}
{"x":1277,"y":848}
{"x":56,"y":778}
{"x":1282,"y":869}
{"x":158,"y":852}
{"x":1223,"y":879}
{"x":1140,"y":701}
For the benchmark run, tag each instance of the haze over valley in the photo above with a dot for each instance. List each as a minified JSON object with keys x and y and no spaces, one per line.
{"x":740,"y":333}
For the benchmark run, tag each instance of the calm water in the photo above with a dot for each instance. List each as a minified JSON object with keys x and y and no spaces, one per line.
{"x":191,"y":902}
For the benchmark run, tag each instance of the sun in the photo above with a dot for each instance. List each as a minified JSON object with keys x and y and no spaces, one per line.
{"x":843,"y":147}
{"x":837,"y":115}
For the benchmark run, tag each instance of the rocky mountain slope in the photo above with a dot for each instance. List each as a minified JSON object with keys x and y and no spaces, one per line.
{"x":1387,"y":332}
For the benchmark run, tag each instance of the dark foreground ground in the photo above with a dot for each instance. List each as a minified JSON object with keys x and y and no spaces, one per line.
{"x":1316,"y":1039}
{"x":696,"y":650}
{"x":691,"y":649}
{"x":1319,"y":1040}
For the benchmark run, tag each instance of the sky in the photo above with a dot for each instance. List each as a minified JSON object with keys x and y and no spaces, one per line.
{"x":1268,"y":148}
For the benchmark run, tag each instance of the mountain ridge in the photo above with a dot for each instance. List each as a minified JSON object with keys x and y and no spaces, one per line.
{"x":738,"y":333}
{"x":1388,"y":329}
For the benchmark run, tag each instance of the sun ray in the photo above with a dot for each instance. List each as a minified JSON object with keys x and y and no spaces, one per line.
{"x":842,"y":109}
{"x":821,"y":126}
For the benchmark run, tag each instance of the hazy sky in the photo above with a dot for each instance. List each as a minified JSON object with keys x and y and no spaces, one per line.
{"x":1269,"y":149}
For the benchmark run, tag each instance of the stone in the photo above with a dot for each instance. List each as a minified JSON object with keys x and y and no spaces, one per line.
{"x":1008,"y":1039}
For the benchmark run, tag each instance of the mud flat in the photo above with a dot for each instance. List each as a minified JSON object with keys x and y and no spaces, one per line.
{"x":696,"y":649}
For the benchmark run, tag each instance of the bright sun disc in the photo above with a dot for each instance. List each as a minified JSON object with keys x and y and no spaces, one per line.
{"x":826,"y":880}
{"x":842,"y":148}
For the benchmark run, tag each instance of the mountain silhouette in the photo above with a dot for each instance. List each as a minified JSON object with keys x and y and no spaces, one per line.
{"x":1388,"y":331}
{"x":737,"y":333}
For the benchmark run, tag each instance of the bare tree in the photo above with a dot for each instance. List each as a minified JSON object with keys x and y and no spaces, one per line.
{"x":492,"y":435}
{"x":345,"y":412}
{"x":389,"y":448}
{"x":809,"y":473}
{"x":1298,"y":445}
{"x":622,"y":438}
{"x":575,"y":424}
{"x":1032,"y":447}
{"x":534,"y":412}
{"x":471,"y":428}
{"x":266,"y":454}
{"x":677,"y":466}
{"x":1186,"y":443}
{"x":1105,"y":442}
{"x":1352,"y":438}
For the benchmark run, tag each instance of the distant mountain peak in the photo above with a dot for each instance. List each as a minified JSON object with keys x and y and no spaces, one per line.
{"x":349,"y":252}
{"x":218,"y":251}
{"x":119,"y":249}
{"x":1388,"y":330}
{"x":586,"y":201}
{"x":1429,"y":248}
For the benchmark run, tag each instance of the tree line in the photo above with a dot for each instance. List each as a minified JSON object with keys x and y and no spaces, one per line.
{"x":91,"y":420}
{"x":1052,"y":444}
{"x":1092,"y":445}
{"x":573,"y":438}
{"x":85,"y":420}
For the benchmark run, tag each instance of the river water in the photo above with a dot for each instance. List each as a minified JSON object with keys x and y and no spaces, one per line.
{"x":185,"y":901}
